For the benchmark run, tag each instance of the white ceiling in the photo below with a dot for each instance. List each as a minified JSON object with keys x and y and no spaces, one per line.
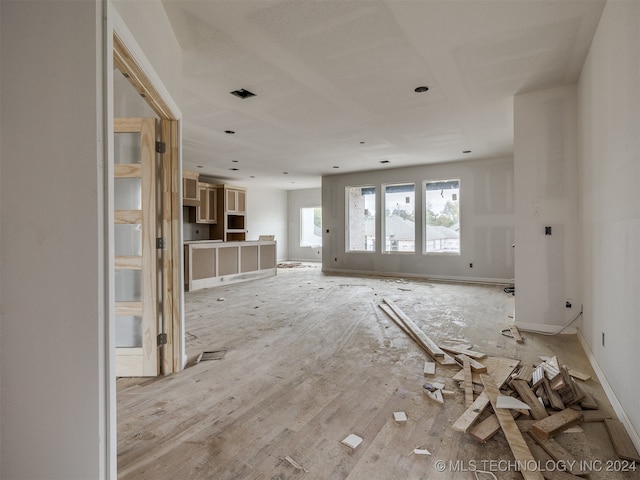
{"x":334,"y":80}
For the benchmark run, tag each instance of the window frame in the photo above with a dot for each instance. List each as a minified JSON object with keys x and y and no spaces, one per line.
{"x":301,"y":230}
{"x":426,"y":213}
{"x":347,"y":215}
{"x":383,"y":219}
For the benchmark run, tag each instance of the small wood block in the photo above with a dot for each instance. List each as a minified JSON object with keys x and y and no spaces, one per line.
{"x":524,"y":424}
{"x":559,"y":454}
{"x":476,"y":366}
{"x":537,"y":409}
{"x":436,"y":396}
{"x":505,"y":401}
{"x":400,"y":417}
{"x":448,"y":393}
{"x":467,"y":352}
{"x":579,"y":375}
{"x":554,"y":397}
{"x":421,"y":451}
{"x":516,"y":333}
{"x":556,"y":423}
{"x":620,"y":439}
{"x":438,"y":385}
{"x":352,"y":441}
{"x":537,"y":376}
{"x":587,"y":400}
{"x":429,"y":368}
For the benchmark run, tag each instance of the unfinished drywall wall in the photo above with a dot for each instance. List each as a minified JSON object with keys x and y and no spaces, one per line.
{"x":267,"y":215}
{"x":546,"y":207}
{"x":609,"y":146}
{"x":150,"y":26}
{"x":52,"y":251}
{"x":486,"y":223}
{"x":297,"y":199}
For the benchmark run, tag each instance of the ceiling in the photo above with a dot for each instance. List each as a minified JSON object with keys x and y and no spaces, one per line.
{"x":334,"y":81}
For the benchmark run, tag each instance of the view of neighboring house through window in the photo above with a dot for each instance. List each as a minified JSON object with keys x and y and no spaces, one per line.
{"x":361,"y":218}
{"x":400,"y":218}
{"x":311,"y":227}
{"x":443,"y":216}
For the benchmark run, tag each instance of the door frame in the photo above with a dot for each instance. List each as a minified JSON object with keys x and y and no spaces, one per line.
{"x":130,"y":56}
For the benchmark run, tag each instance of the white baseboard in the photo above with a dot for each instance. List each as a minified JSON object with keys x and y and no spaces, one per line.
{"x":611,"y":395}
{"x":435,"y":278}
{"x":544,"y":328}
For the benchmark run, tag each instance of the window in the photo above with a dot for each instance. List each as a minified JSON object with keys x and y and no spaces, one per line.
{"x":442,"y":223}
{"x":399,"y":218}
{"x":311,"y":227}
{"x":361,"y":219}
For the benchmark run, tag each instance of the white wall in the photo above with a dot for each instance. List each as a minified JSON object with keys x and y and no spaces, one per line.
{"x":546,"y":184}
{"x":609,"y":146}
{"x":297,"y":199}
{"x":486,"y":218}
{"x":52,"y":248}
{"x":149,"y":24}
{"x":267,"y":215}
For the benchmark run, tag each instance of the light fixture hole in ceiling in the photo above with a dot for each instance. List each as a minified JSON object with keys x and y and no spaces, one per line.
{"x":421,"y":89}
{"x":229,"y":132}
{"x":384,"y":161}
{"x":466,"y":151}
{"x":243,"y":93}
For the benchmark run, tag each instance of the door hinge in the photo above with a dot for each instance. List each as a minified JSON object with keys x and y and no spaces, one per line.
{"x":161,"y":242}
{"x":162,"y":339}
{"x":161,"y":147}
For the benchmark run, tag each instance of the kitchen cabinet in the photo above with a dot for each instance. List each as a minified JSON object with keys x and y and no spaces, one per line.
{"x":190,"y":197}
{"x":207,"y":211}
{"x":232,"y":219}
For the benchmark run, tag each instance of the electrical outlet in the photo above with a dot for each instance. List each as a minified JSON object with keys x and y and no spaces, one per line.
{"x":603,"y":339}
{"x":471,"y":265}
{"x":567,"y":304}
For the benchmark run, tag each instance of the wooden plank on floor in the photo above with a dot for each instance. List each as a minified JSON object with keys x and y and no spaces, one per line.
{"x":469,"y":353}
{"x":525,"y":373}
{"x":475,"y":366}
{"x":579,"y":375}
{"x":516,"y":333}
{"x":594,"y":416}
{"x":622,"y":444}
{"x":537,"y":376}
{"x":429,"y":368}
{"x":556,"y":423}
{"x":559,"y":454}
{"x":468,"y":382}
{"x":485,"y":429}
{"x":425,"y":341}
{"x":471,"y":414}
{"x":559,"y":475}
{"x":518,"y":446}
{"x":526,"y":394}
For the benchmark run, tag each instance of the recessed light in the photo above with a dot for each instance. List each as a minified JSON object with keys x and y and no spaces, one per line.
{"x":200,"y":166}
{"x":361,"y":143}
{"x":234,"y":169}
{"x":285,"y":173}
{"x":230,"y":132}
{"x":421,"y":89}
{"x":384,"y":161}
{"x":234,"y":161}
{"x":252,"y":176}
{"x":466,"y":151}
{"x":335,"y":166}
{"x":243,"y":93}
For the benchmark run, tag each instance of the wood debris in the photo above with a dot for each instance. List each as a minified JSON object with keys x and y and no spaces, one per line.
{"x":352,"y":441}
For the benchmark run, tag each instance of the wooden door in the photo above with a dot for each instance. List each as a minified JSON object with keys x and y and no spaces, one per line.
{"x":134,"y":247}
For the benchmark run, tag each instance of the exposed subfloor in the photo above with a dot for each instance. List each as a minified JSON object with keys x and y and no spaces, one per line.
{"x":309,"y":358}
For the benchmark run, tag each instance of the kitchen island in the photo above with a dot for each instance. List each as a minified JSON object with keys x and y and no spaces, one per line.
{"x":210,"y":263}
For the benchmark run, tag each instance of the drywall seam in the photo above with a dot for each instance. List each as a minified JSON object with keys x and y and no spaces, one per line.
{"x":611,"y":395}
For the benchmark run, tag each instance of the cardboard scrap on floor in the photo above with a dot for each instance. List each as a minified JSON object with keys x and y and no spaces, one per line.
{"x":352,"y":441}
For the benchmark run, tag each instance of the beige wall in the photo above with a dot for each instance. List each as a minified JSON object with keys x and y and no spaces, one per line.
{"x":609,"y":173}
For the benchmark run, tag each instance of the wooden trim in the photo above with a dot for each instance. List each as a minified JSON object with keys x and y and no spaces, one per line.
{"x":129,"y":309}
{"x":126,"y":63}
{"x":126,"y":170}
{"x":128,"y":125}
{"x":128,"y":217}
{"x":128,"y":263}
{"x":170,"y":224}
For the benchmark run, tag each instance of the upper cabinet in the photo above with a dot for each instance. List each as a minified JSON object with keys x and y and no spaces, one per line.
{"x":190,"y":194}
{"x":236,"y":199}
{"x":207,"y":211}
{"x":232,"y":206}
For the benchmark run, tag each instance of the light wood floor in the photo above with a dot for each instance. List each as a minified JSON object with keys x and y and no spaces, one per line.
{"x":310,"y":358}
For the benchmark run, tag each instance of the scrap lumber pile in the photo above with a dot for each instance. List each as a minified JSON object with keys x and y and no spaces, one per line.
{"x":497,"y":394}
